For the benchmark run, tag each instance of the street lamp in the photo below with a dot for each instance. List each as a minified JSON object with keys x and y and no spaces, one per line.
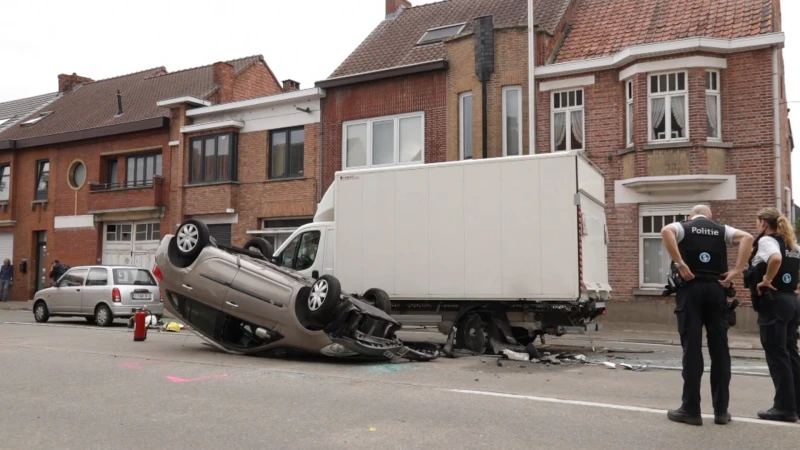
{"x":531,"y":81}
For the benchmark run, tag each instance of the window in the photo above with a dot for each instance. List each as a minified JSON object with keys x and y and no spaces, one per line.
{"x":439,"y":34}
{"x":512,"y":121}
{"x":286,"y":153}
{"x":301,"y":252}
{"x":713,"y":105}
{"x":73,"y":278}
{"x":655,"y":261}
{"x":148,"y":231}
{"x":629,"y":113}
{"x":668,"y":107}
{"x":35,"y":120}
{"x":113,"y":167}
{"x":134,"y":277}
{"x":42,"y":179}
{"x":5,"y":182}
{"x":384,"y":141}
{"x":213,"y":159}
{"x":77,"y":174}
{"x":276,"y":231}
{"x":567,"y":120}
{"x":120,"y":233}
{"x":142,"y":169}
{"x":465,"y":125}
{"x":97,"y":277}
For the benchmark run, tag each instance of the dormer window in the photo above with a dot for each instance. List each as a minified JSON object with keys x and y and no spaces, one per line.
{"x":2,"y":121}
{"x":35,"y":120}
{"x":439,"y":34}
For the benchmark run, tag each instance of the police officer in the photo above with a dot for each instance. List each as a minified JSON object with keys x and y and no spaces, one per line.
{"x":776,"y":264}
{"x":699,"y":248}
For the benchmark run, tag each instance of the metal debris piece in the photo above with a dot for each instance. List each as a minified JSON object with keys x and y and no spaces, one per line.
{"x":516,"y":356}
{"x":609,"y":365}
{"x":580,"y":358}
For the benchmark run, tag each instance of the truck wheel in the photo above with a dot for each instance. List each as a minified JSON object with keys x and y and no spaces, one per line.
{"x":259,"y":245}
{"x":192,"y":237}
{"x":379,"y":299}
{"x":323,"y":299}
{"x":471,"y":336}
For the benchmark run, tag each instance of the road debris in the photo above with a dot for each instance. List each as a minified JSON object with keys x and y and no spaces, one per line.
{"x":609,"y":365}
{"x":516,"y":356}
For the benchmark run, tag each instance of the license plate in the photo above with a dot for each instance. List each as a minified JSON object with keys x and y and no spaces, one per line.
{"x":142,"y":296}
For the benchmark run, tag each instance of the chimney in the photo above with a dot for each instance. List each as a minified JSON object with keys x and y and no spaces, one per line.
{"x":223,"y":78}
{"x":67,"y":82}
{"x":393,"y":6}
{"x":290,"y":85}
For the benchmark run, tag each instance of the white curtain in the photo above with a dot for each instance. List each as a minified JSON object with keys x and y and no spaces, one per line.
{"x":678,"y":105}
{"x":657,"y":113}
{"x":713,"y":115}
{"x":576,"y":121}
{"x":559,"y":128}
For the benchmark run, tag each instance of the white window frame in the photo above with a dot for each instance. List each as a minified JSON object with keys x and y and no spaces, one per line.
{"x":715,"y":93}
{"x":651,"y":138}
{"x":461,"y":98}
{"x":628,"y":113}
{"x":652,"y":210}
{"x":568,"y":110}
{"x":369,"y":123}
{"x":505,"y":91}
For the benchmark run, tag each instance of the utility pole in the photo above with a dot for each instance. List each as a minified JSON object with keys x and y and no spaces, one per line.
{"x":531,"y":80}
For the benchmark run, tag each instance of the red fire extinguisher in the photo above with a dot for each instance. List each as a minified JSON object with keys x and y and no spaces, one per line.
{"x":139,"y":327}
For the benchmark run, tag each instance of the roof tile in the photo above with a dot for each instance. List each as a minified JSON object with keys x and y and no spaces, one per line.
{"x":12,"y":112}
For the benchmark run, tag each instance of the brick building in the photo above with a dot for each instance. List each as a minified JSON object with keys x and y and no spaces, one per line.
{"x":274,"y":147}
{"x":92,"y":174}
{"x":677,"y":104}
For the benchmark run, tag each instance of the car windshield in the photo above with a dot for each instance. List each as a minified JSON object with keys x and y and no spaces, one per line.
{"x":137,"y":277}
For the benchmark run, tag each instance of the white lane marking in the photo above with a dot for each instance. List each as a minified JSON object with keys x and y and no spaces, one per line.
{"x":612,"y":406}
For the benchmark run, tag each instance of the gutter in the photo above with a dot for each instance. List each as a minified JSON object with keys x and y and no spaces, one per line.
{"x":531,"y":80}
{"x":382,"y":74}
{"x":777,"y":144}
{"x":71,"y":136}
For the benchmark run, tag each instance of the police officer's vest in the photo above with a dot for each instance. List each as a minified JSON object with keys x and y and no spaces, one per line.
{"x":786,"y":278}
{"x":703,"y":247}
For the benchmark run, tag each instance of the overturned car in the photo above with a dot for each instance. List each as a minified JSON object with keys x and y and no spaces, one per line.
{"x":241,"y":302}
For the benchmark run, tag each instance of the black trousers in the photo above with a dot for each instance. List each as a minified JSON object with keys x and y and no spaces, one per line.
{"x":778,"y":317}
{"x":703,"y":303}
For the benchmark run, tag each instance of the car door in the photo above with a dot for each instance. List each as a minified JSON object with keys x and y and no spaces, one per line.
{"x":68,"y":296}
{"x":301,"y":253}
{"x":96,"y":289}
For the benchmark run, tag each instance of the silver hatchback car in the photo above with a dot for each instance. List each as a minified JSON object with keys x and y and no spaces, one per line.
{"x":100,"y":294}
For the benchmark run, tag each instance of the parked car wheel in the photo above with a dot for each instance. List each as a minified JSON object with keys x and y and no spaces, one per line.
{"x":259,"y":245}
{"x":40,"y":312}
{"x":379,"y":299}
{"x":103,"y":316}
{"x":191,"y":238}
{"x":323,"y":299}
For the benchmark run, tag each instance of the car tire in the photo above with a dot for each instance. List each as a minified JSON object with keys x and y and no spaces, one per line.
{"x":40,"y":312}
{"x":323,"y":299}
{"x":379,"y":299}
{"x":103,"y":316}
{"x":470,"y":335}
{"x":260,"y":245}
{"x":191,"y":238}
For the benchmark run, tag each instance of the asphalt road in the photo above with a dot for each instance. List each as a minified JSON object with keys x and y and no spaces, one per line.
{"x":69,"y":385}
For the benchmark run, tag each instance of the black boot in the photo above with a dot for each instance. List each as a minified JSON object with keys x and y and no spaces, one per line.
{"x":778,"y":415}
{"x":679,"y":415}
{"x":722,"y":419}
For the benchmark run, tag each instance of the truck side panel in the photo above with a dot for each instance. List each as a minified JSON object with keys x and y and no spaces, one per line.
{"x":595,"y":244}
{"x":349,"y":238}
{"x":559,"y":227}
{"x":522,"y":229}
{"x":483,"y":224}
{"x":410,"y":264}
{"x":378,"y":220}
{"x":447,"y":252}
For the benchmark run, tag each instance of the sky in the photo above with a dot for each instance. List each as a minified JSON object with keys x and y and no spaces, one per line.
{"x":304,"y":40}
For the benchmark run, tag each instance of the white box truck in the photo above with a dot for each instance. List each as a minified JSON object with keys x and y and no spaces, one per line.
{"x":509,"y":248}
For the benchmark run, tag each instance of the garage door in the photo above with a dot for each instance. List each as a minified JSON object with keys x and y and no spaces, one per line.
{"x":221,"y":233}
{"x":6,"y":247}
{"x":131,"y":243}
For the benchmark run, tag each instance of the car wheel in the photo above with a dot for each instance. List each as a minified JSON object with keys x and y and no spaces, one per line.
{"x":379,"y":299}
{"x":191,"y":238}
{"x":40,"y":312}
{"x":323,"y":299}
{"x":90,"y":319}
{"x":103,"y":316}
{"x":259,"y":245}
{"x":471,"y":335}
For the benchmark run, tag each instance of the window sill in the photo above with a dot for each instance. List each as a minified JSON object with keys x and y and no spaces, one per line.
{"x":213,"y":183}
{"x":648,"y":292}
{"x":626,"y":150}
{"x":668,"y":145}
{"x":717,"y":144}
{"x":276,"y":180}
{"x":120,"y":189}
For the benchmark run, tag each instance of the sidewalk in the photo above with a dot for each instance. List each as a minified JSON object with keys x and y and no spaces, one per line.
{"x":28,"y":306}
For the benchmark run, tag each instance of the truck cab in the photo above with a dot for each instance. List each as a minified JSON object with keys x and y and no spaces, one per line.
{"x":309,"y":250}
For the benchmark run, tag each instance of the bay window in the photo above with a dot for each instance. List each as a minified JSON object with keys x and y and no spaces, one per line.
{"x":566,"y":120}
{"x":668,"y":107}
{"x":384,"y":141}
{"x":713,"y":106}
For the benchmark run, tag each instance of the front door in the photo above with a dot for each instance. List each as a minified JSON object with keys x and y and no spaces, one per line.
{"x":41,"y":253}
{"x":67,"y":298}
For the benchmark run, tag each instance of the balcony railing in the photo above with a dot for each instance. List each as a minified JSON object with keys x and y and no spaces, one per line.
{"x":97,"y":186}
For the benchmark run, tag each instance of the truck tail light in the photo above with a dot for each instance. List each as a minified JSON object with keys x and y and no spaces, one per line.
{"x":116,"y":297}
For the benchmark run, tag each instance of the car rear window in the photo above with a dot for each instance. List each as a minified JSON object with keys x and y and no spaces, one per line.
{"x":133,"y":277}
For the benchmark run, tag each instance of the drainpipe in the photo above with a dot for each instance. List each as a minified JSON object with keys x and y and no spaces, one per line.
{"x":776,"y":100}
{"x":531,"y":81}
